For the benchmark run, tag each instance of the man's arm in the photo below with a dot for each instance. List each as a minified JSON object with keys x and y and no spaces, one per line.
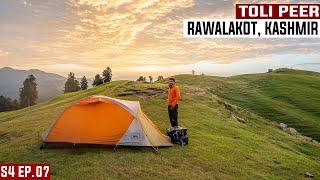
{"x":177,"y":97}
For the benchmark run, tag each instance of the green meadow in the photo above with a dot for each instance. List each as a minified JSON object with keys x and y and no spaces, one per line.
{"x":220,"y":147}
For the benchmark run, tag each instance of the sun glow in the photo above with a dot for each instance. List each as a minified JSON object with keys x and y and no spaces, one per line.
{"x":132,"y":37}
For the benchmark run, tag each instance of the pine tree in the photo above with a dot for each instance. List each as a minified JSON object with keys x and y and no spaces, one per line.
{"x":107,"y":75}
{"x":150,"y":78}
{"x":15,"y":105}
{"x":28,"y":93}
{"x":140,"y":78}
{"x":97,"y":80}
{"x":84,"y":83}
{"x":72,"y":84}
{"x":160,"y":78}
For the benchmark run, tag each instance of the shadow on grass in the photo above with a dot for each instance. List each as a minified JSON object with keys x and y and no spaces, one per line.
{"x":79,"y":149}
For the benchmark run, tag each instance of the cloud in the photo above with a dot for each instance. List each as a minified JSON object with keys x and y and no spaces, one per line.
{"x":308,"y":64}
{"x":3,"y":53}
{"x":118,"y":23}
{"x":124,"y":34}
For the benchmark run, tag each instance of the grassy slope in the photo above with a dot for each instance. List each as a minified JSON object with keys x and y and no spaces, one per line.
{"x":219,"y":146}
{"x":291,"y":97}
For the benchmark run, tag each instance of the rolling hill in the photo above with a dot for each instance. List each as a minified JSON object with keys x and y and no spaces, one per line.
{"x":286,"y":95}
{"x":11,"y":80}
{"x":220,"y":146}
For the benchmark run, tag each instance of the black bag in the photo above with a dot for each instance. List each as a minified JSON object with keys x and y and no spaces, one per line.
{"x":178,"y":135}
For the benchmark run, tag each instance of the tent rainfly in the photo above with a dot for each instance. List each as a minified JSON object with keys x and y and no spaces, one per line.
{"x":107,"y":121}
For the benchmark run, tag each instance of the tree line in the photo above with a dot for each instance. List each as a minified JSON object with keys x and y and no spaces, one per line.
{"x":144,"y":79}
{"x":73,"y":85}
{"x":28,"y":94}
{"x":27,"y":97}
{"x":7,"y":104}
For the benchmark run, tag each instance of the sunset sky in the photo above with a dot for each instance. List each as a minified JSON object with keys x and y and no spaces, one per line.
{"x":136,"y":38}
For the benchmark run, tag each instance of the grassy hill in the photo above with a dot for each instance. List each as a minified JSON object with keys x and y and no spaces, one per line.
{"x":220,"y":146}
{"x":288,"y":96}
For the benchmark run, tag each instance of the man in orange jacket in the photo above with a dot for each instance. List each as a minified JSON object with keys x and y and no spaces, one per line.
{"x":173,"y":100}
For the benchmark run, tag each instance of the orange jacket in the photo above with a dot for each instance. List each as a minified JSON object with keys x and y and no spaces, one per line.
{"x":173,"y":95}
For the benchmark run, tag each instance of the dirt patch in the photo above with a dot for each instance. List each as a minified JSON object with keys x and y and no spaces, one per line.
{"x":195,"y":91}
{"x":198,"y":91}
{"x":226,"y":105}
{"x":150,"y":92}
{"x":132,"y":90}
{"x":239,"y":119}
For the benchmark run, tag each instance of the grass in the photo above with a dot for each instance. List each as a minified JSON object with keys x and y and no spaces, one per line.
{"x":220,"y":147}
{"x":287,"y":96}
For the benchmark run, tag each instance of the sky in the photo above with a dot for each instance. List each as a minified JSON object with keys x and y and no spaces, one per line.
{"x":137,"y":38}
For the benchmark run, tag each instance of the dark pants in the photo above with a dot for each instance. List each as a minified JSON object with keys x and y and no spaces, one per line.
{"x":173,"y":115}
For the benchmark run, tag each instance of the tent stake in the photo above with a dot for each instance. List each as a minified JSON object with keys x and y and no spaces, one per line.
{"x":155,"y":148}
{"x":42,"y":146}
{"x":115,"y":148}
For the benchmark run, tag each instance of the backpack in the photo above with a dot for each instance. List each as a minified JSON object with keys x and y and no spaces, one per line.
{"x":178,"y":135}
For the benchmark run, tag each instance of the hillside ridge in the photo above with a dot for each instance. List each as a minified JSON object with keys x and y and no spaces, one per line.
{"x":221,"y":146}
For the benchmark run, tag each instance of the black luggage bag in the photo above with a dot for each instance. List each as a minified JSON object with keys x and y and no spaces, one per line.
{"x":178,"y":135}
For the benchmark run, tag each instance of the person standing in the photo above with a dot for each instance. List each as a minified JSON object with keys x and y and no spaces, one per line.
{"x":173,"y":100}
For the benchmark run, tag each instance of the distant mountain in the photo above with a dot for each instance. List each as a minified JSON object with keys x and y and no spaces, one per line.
{"x":11,"y":80}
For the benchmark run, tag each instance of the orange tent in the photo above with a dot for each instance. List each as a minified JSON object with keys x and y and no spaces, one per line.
{"x":105,"y":120}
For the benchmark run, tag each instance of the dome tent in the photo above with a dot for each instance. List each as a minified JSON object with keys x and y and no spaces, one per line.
{"x":107,"y":121}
